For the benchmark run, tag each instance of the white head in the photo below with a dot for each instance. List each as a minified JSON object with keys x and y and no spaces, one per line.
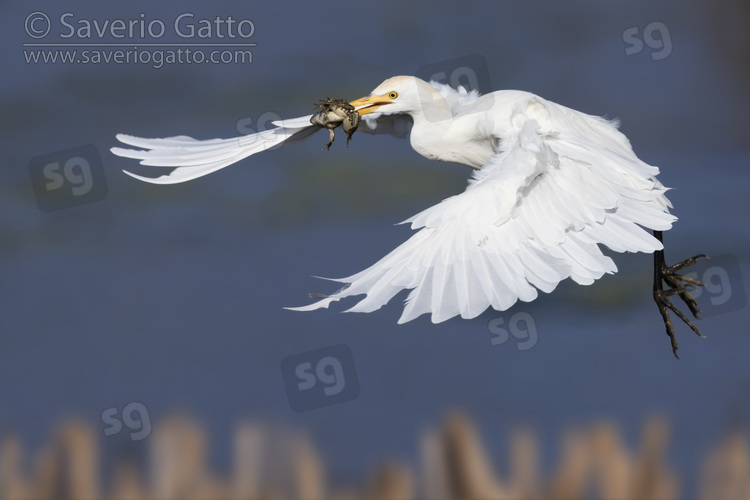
{"x":404,"y":94}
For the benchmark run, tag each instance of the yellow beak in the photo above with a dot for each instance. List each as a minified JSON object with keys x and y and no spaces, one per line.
{"x":370,"y":103}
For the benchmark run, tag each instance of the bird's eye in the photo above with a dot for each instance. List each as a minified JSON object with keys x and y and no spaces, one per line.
{"x":393,"y":94}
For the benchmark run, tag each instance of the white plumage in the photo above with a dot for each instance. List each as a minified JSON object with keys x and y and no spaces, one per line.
{"x":550,"y":185}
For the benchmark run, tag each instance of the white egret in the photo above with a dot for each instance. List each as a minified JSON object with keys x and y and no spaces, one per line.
{"x":549,"y":186}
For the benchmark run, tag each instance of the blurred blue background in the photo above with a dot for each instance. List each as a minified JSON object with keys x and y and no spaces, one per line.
{"x":173,"y":296}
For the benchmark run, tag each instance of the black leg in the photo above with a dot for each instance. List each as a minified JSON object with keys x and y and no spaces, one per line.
{"x":677,"y":285}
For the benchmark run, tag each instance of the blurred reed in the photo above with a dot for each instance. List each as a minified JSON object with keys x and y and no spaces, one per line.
{"x":270,"y":462}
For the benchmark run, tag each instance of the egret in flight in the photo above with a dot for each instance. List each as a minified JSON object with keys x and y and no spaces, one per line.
{"x":549,"y":185}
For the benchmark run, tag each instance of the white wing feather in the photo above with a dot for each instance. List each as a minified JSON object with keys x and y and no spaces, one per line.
{"x":535,"y":215}
{"x":193,"y":158}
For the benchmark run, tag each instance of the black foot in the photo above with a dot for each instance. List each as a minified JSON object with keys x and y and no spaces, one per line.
{"x":677,"y":284}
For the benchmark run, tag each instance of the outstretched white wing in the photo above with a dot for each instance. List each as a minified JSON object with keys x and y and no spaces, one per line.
{"x":563,"y":183}
{"x":192,"y":158}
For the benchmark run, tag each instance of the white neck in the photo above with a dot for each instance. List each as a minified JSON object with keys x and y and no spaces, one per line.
{"x":438,"y":135}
